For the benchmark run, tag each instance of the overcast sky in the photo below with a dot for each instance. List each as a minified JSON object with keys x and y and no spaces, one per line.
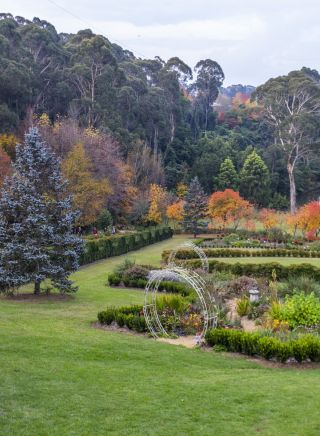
{"x":252,"y":40}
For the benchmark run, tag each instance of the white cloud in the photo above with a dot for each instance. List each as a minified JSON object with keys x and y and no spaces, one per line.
{"x":228,"y":29}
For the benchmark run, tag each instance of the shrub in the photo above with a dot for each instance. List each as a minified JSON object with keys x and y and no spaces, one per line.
{"x":114,"y":279}
{"x":107,"y":316}
{"x":136,"y":272}
{"x":301,"y":310}
{"x":302,"y":283}
{"x":260,"y":270}
{"x":129,"y":316}
{"x":243,"y":306}
{"x":303,"y":348}
{"x":242,"y":284}
{"x":124,"y":266}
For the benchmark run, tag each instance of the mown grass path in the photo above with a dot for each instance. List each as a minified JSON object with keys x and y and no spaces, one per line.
{"x":59,"y":376}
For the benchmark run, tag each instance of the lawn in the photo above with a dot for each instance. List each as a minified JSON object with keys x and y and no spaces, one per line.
{"x":282,"y":260}
{"x":59,"y":376}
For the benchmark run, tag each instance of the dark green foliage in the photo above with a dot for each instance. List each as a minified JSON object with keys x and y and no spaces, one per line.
{"x":260,"y":270}
{"x":255,"y":180}
{"x":195,"y":207}
{"x":104,"y":221}
{"x":115,"y":279}
{"x":235,"y":252}
{"x":303,"y":348}
{"x":116,"y":245}
{"x":227,"y":177}
{"x":128,"y":316}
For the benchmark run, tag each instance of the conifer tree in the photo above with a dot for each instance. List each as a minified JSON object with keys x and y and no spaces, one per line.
{"x":227,"y":177}
{"x":195,"y":207}
{"x":255,"y":180}
{"x":36,"y":221}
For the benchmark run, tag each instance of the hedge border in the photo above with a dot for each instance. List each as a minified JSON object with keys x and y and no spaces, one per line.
{"x":260,"y":269}
{"x":105,"y":247}
{"x":239,"y":252}
{"x":254,"y":344}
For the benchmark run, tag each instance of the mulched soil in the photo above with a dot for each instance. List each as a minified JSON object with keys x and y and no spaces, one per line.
{"x":42,"y":298}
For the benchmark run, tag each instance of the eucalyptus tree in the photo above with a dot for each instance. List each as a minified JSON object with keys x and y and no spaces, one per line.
{"x":292,"y":107}
{"x":209,"y":78}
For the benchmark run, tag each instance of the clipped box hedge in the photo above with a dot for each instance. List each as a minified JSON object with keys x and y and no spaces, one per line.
{"x":128,"y":316}
{"x":105,"y":247}
{"x":116,"y":279}
{"x":253,"y":344}
{"x":238,"y":252}
{"x":259,"y":269}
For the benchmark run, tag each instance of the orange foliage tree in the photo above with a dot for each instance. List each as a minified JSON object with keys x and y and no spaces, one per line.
{"x":227,"y":208}
{"x":269,"y":218}
{"x":175,"y":211}
{"x":306,"y":219}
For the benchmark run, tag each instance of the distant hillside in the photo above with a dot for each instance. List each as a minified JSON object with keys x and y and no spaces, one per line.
{"x":232,"y":90}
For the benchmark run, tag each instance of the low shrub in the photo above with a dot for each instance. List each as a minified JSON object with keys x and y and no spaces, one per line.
{"x":129,"y":316}
{"x":260,"y":270}
{"x":301,"y":310}
{"x":303,"y":348}
{"x":114,"y":279}
{"x":242,"y":284}
{"x":239,"y":252}
{"x":243,"y":306}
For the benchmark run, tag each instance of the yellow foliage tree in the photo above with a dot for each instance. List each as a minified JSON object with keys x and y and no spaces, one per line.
{"x":157,"y":197}
{"x":89,"y":194}
{"x":8,"y":144}
{"x":181,"y":190}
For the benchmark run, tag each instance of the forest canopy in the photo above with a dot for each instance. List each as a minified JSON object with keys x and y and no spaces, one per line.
{"x":139,"y":122}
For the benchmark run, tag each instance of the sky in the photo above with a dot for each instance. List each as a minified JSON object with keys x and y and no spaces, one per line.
{"x":252,"y":40}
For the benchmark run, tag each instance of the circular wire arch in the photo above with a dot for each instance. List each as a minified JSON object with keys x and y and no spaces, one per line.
{"x":195,"y":281}
{"x":172,"y":259}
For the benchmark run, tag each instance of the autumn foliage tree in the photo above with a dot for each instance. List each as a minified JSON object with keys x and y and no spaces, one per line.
{"x":175,"y":211}
{"x":89,"y":194}
{"x":227,"y":208}
{"x":157,"y":206}
{"x":306,"y":219}
{"x":268,"y":218}
{"x":5,"y":166}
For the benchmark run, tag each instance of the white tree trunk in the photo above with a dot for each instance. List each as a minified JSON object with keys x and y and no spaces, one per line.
{"x":293,"y":192}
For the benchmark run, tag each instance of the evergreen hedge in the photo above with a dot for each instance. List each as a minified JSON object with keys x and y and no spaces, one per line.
{"x":115,"y":279}
{"x":105,"y":247}
{"x":260,"y":269}
{"x":129,"y":316}
{"x":254,"y":344}
{"x":235,"y":252}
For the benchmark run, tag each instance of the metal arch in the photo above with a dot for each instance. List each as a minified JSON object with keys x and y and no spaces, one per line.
{"x":195,"y":281}
{"x":193,"y":247}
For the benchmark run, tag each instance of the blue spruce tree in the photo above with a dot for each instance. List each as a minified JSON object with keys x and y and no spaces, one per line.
{"x":36,"y":221}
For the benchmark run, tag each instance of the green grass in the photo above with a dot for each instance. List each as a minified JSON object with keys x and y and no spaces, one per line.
{"x":59,"y":376}
{"x":281,"y":260}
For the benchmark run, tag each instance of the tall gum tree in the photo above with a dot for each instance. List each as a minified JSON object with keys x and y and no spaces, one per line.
{"x":292,"y":107}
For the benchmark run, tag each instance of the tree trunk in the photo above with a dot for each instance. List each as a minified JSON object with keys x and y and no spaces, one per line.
{"x":37,"y":287}
{"x":293,"y":192}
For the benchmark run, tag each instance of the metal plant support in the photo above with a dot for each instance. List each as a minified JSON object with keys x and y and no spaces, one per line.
{"x":172,"y":260}
{"x":191,"y":278}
